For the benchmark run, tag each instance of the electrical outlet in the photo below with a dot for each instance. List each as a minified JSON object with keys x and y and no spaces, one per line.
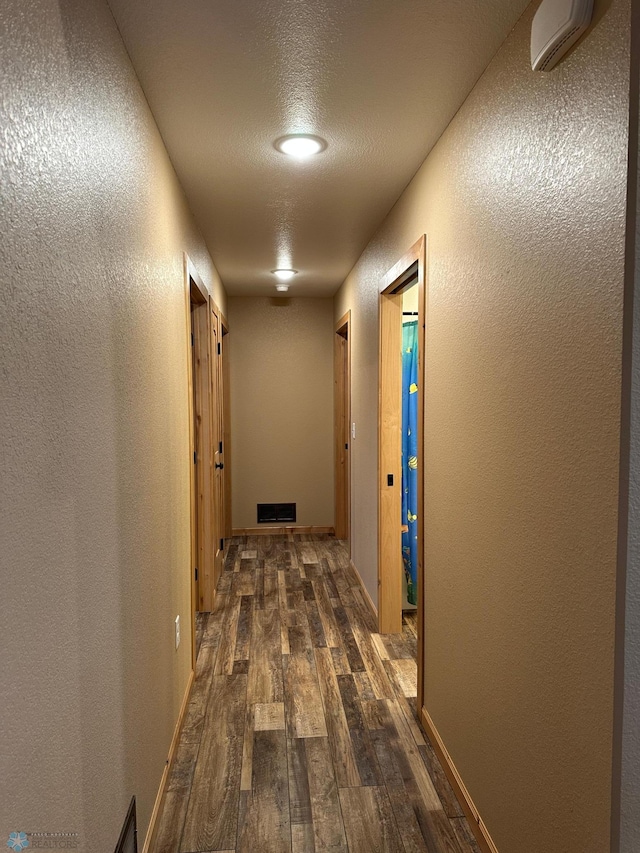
{"x":177,"y":631}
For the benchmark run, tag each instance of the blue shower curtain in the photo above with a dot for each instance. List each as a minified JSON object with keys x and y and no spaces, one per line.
{"x":410,"y":458}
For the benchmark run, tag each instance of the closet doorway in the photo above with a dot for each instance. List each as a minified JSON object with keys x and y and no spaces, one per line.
{"x":401,"y":445}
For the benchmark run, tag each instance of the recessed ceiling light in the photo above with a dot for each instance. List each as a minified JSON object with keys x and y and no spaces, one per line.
{"x":284,"y":275}
{"x":300,"y":146}
{"x":282,"y":288}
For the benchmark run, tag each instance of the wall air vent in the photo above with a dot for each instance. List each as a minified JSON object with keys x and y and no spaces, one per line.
{"x":128,"y":841}
{"x":557,"y":26}
{"x":276,"y":513}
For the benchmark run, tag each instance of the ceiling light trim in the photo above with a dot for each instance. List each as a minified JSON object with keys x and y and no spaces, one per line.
{"x":284,"y":274}
{"x":318,"y":145}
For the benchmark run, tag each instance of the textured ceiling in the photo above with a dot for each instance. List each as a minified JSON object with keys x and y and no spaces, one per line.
{"x":378,"y":80}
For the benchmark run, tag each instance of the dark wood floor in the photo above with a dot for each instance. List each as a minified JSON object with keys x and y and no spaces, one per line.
{"x":301,"y":733}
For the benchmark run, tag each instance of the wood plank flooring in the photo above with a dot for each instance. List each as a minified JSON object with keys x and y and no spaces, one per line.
{"x":301,"y":733}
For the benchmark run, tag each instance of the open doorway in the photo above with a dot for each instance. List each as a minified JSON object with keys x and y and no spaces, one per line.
{"x":401,"y":446}
{"x":342,"y":422}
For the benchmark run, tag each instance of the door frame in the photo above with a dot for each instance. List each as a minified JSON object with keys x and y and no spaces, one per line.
{"x":226,"y":430}
{"x":342,"y":427}
{"x":195,"y":293}
{"x":409,"y":270}
{"x":219,"y":450}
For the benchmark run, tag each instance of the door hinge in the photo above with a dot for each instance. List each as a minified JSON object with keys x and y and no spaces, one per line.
{"x":195,"y":457}
{"x":196,"y":573}
{"x":192,"y":339}
{"x":346,"y":447}
{"x":220,"y":447}
{"x":222,"y":544}
{"x":219,"y":349}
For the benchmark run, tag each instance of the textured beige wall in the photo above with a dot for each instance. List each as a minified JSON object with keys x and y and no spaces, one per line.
{"x":523,"y":202}
{"x":94,"y":520}
{"x":281,"y":358}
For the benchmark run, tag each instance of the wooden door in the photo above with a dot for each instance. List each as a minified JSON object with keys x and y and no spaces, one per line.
{"x":226,"y":438}
{"x":195,"y":521}
{"x":217,"y":442}
{"x":342,"y":428}
{"x":202,"y":458}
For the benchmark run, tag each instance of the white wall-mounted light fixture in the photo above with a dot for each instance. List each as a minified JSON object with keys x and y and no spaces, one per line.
{"x":284,"y":275}
{"x":557,"y":26}
{"x":282,"y":288}
{"x":300,"y":146}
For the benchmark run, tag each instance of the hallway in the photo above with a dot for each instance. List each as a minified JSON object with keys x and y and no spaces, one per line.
{"x":301,"y":732}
